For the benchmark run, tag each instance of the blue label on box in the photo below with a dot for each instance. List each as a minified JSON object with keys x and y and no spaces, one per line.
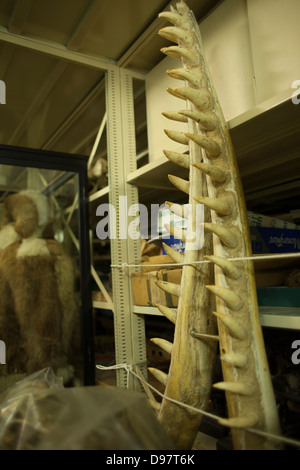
{"x":174,"y":243}
{"x":274,"y":240}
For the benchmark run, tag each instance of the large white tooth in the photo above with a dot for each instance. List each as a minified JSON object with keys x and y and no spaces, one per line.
{"x":240,"y":422}
{"x":177,"y":136}
{"x":239,"y":360}
{"x":213,"y":171}
{"x":177,"y":209}
{"x":182,"y":53}
{"x":181,"y":184}
{"x":236,"y":330}
{"x":176,"y":34}
{"x":232,"y":300}
{"x":227,"y":236}
{"x":169,"y":313}
{"x":212,"y":147}
{"x":180,"y":159}
{"x":195,"y":79}
{"x":175,"y":255}
{"x":173,"y":17}
{"x":229,"y":268}
{"x":159,"y":375}
{"x":205,"y":121}
{"x":163,"y":344}
{"x":180,"y":117}
{"x":205,"y":336}
{"x":200,"y":97}
{"x":221,"y":206}
{"x":169,"y":287}
{"x":240,"y":388}
{"x":176,"y":232}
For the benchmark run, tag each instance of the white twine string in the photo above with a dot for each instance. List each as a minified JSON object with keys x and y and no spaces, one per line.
{"x":129,"y":369}
{"x":123,"y":266}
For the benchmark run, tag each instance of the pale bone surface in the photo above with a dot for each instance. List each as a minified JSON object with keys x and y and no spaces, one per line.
{"x":217,"y":300}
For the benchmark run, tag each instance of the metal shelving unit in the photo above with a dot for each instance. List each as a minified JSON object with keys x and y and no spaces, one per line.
{"x":258,"y":129}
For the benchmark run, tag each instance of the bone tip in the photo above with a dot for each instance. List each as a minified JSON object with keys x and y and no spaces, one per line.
{"x":240,"y":422}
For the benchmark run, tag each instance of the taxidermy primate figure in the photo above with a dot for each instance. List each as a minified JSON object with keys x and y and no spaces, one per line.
{"x":37,"y":306}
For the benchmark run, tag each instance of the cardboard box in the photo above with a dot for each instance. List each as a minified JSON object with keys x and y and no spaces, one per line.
{"x":145,"y":290}
{"x":260,"y":220}
{"x":159,"y":260}
{"x":173,"y":276}
{"x":147,"y":293}
{"x":274,"y":272}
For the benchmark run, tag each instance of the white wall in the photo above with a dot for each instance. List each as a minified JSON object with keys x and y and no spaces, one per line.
{"x":251,"y":49}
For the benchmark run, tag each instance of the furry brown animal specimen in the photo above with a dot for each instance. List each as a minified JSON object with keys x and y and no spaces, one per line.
{"x":37,"y":304}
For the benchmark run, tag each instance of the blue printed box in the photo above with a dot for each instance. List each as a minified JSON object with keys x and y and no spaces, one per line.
{"x":274,"y":240}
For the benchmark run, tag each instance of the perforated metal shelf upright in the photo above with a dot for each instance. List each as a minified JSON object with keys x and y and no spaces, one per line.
{"x":129,"y":328}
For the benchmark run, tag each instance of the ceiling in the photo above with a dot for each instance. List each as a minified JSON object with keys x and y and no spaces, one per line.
{"x":53,"y":57}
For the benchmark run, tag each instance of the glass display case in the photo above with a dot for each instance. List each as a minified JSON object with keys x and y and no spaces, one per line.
{"x":46,"y":315}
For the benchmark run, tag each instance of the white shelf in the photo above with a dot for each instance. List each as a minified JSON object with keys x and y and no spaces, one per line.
{"x":280,"y":317}
{"x":99,"y":194}
{"x":274,"y":317}
{"x":264,"y":138}
{"x":101,"y":305}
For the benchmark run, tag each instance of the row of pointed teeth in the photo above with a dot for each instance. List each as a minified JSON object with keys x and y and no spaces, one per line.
{"x":239,"y":388}
{"x":206,"y":122}
{"x":240,"y":422}
{"x":161,"y":376}
{"x":180,"y":159}
{"x":163,"y":344}
{"x":183,"y":159}
{"x":226,"y":235}
{"x":169,"y":313}
{"x":202,"y":101}
{"x":205,"y":336}
{"x":169,"y":287}
{"x":179,"y":183}
{"x":172,"y":17}
{"x":177,"y":136}
{"x":213,"y":171}
{"x":221,"y":206}
{"x":199,"y":97}
{"x":232,"y":300}
{"x":175,"y":255}
{"x":235,"y":328}
{"x":193,"y":78}
{"x":212,"y":147}
{"x":176,"y":34}
{"x":179,"y":52}
{"x":239,"y":360}
{"x":229,"y":269}
{"x":174,"y":116}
